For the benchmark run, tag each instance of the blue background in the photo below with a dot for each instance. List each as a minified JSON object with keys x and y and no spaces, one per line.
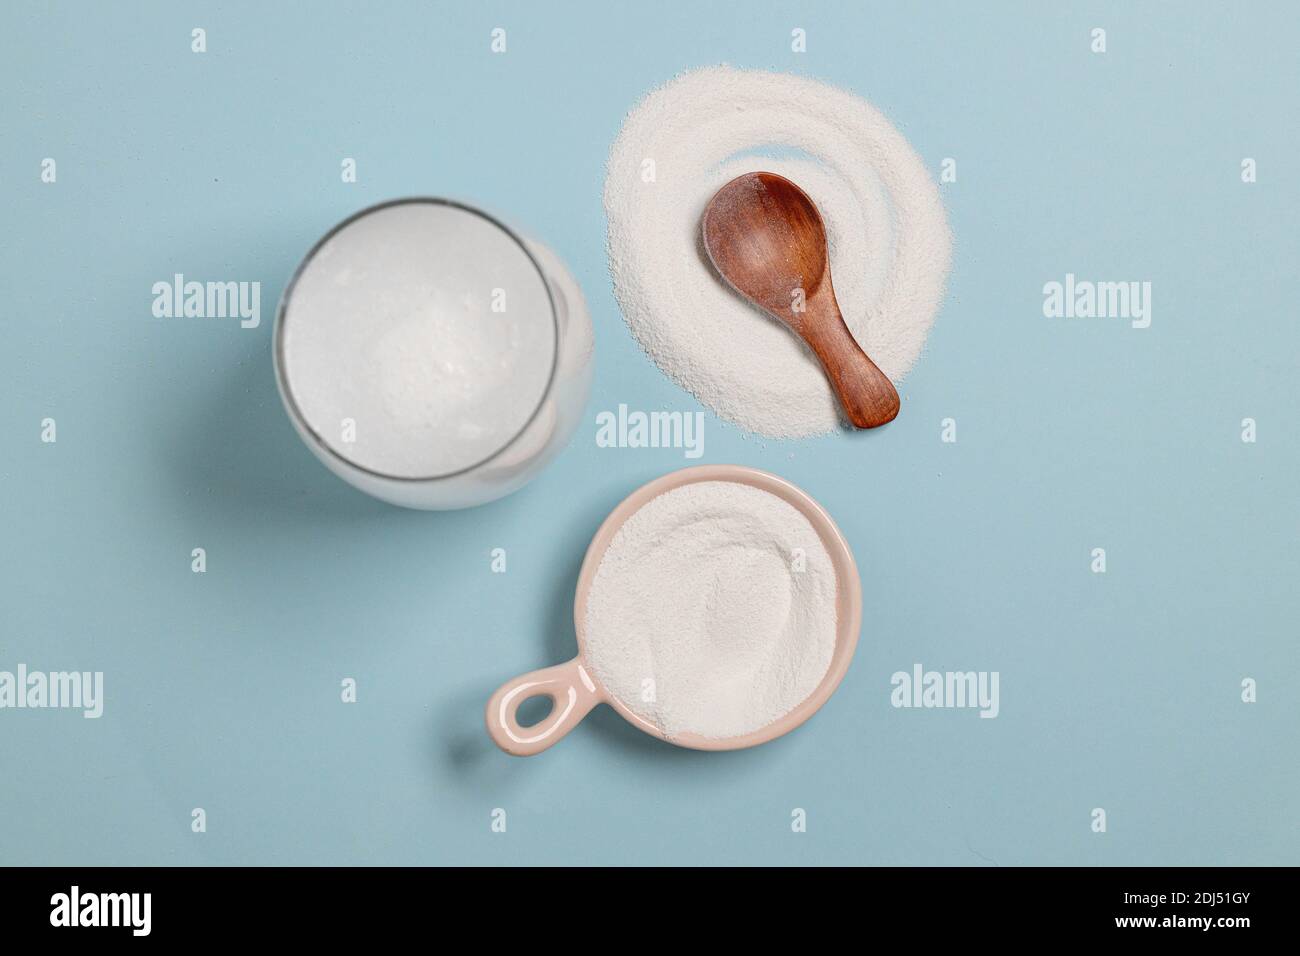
{"x":1119,"y":691}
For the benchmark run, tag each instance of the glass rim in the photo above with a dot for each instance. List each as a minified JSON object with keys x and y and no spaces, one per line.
{"x":318,"y":441}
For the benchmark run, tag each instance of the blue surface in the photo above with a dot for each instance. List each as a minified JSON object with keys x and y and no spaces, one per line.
{"x":1120,"y":691}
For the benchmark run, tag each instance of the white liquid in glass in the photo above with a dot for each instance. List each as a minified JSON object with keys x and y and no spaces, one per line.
{"x":418,"y":341}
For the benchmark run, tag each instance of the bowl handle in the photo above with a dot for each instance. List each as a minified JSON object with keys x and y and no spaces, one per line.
{"x":572,"y":692}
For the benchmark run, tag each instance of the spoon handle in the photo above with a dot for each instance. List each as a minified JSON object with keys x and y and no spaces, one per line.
{"x":868,"y":396}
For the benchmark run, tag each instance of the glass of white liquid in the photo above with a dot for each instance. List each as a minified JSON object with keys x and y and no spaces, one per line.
{"x":432,"y":357}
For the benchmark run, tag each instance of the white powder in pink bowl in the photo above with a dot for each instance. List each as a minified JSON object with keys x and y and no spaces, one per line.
{"x":713,"y":610}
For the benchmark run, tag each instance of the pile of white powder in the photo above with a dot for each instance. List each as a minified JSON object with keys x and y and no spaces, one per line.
{"x":889,"y":239}
{"x":418,"y":340}
{"x":713,"y":610}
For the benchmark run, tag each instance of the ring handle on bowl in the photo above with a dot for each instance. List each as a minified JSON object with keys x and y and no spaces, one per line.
{"x":572,"y":693}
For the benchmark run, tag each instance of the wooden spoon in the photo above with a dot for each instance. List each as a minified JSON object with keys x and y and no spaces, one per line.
{"x":767,"y":240}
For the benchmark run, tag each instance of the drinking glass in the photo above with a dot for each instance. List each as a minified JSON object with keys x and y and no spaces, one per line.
{"x":546,"y":424}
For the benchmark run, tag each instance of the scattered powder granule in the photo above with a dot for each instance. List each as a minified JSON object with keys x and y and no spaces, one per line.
{"x":889,"y":239}
{"x":712,"y":610}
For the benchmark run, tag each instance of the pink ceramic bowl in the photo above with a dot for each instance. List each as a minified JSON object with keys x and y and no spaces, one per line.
{"x":574,"y":690}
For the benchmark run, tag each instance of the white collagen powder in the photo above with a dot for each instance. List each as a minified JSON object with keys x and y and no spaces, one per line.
{"x":418,"y":340}
{"x":889,"y":239}
{"x":698,"y":599}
